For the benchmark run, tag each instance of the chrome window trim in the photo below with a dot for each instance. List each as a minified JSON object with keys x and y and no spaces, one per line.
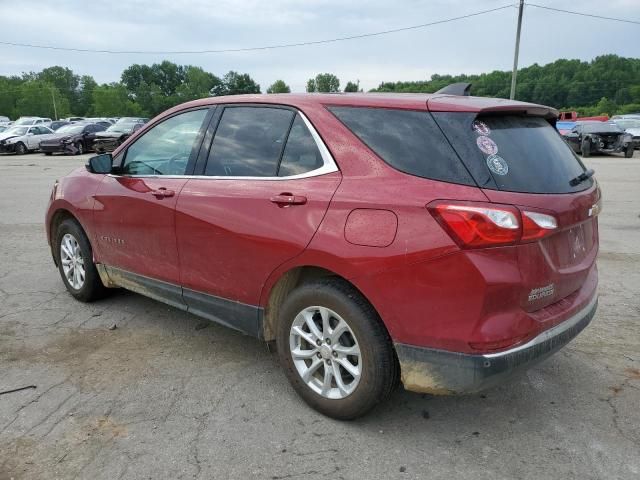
{"x":328,"y":163}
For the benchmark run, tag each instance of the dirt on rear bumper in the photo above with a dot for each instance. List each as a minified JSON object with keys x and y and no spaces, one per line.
{"x":440,"y":372}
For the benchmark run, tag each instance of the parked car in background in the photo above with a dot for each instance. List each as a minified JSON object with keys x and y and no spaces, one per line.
{"x":4,"y":120}
{"x":314,"y":221}
{"x":56,"y":124}
{"x":132,"y":120}
{"x":73,"y":119}
{"x":22,"y":139}
{"x":631,"y":125}
{"x":32,"y":121}
{"x":99,"y":120}
{"x":4,"y":127}
{"x":114,"y":136}
{"x":593,"y":137}
{"x":74,"y":139}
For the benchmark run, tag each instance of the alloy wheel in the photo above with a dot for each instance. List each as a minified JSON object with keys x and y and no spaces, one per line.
{"x":325,"y":352}
{"x":72,"y":261}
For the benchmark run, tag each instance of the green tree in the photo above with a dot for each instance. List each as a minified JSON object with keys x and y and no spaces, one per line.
{"x":352,"y":87}
{"x":36,"y":98}
{"x":324,"y":83}
{"x":279,"y":87}
{"x":85,"y":96}
{"x":197,"y":84}
{"x":113,"y":100}
{"x":235,"y":83}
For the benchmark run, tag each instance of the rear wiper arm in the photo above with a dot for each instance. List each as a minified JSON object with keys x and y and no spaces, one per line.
{"x":586,"y":175}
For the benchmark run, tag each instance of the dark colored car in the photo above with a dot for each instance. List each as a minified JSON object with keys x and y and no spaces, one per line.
{"x":56,"y":124}
{"x":75,"y":139}
{"x":113,"y":136}
{"x":588,"y":138}
{"x":443,"y":241}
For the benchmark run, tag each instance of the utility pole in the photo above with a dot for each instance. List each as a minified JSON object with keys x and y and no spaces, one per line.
{"x":515,"y":54}
{"x":55,"y":111}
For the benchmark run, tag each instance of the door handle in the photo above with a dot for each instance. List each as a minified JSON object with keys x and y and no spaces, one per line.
{"x":285,"y":199}
{"x":162,"y":192}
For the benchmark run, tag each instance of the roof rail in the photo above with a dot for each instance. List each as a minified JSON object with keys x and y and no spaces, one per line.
{"x":461,"y":89}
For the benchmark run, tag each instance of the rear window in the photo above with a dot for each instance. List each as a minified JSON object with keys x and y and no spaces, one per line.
{"x":513,"y":153}
{"x":409,"y":141}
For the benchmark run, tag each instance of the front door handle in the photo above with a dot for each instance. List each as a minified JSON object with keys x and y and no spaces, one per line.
{"x":285,"y":199}
{"x":162,"y":192}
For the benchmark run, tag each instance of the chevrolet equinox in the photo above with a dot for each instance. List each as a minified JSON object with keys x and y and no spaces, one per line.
{"x":442,"y":241}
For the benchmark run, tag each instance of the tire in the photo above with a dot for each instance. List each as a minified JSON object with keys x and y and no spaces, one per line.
{"x":585,"y":148}
{"x":376,"y":364}
{"x":21,"y":149}
{"x":80,"y":148}
{"x":48,"y":154}
{"x":629,"y":152}
{"x":71,"y":234}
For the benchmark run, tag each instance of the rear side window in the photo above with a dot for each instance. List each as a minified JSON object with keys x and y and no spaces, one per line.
{"x":301,"y":154}
{"x":514,"y":153}
{"x":248,"y":142}
{"x":409,"y":141}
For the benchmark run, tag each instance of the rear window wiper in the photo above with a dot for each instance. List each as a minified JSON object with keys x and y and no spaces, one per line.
{"x":586,"y":175}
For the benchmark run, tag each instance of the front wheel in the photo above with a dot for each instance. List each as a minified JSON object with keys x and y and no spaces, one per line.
{"x":79,"y":148}
{"x":21,"y":149}
{"x":335,"y":350}
{"x":585,"y":148}
{"x":629,"y":152}
{"x":75,"y":263}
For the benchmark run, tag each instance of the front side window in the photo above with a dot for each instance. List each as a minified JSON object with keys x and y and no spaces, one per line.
{"x":248,"y":142}
{"x":165,"y":149}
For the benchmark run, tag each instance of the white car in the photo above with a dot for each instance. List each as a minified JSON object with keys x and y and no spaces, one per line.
{"x":28,"y":121}
{"x":22,"y":139}
{"x":631,"y":125}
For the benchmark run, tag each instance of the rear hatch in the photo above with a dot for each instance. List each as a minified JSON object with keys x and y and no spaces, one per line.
{"x":518,"y":158}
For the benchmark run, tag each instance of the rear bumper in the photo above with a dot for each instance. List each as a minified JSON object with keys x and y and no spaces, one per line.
{"x":443,"y":372}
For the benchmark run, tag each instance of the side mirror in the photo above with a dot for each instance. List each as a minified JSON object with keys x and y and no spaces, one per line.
{"x":102,"y":163}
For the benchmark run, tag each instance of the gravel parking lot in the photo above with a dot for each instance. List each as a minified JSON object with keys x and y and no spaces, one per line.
{"x":166,"y":395}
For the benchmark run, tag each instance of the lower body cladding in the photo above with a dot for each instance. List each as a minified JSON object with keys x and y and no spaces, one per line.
{"x":442,"y":372}
{"x":9,"y":148}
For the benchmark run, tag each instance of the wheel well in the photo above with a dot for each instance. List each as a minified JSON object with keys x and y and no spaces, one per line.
{"x":290,"y":280}
{"x":58,"y":217}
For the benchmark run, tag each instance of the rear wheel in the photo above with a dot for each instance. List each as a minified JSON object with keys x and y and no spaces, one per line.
{"x":75,"y":263}
{"x":335,"y":350}
{"x":585,"y":148}
{"x":21,"y":149}
{"x":629,"y":152}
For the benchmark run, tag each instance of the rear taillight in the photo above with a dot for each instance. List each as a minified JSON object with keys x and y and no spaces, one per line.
{"x":477,"y":225}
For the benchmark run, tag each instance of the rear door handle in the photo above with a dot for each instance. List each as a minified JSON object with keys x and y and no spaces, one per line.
{"x":162,"y":192}
{"x":285,"y":199}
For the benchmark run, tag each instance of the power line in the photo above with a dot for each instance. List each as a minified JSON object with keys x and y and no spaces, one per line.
{"x":635,"y":22}
{"x":250,"y":49}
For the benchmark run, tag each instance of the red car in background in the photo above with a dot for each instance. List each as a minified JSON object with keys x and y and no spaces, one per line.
{"x":438,"y":240}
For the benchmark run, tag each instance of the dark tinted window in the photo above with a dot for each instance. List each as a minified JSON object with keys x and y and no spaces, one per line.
{"x":166,"y":147}
{"x":301,"y":153}
{"x":513,"y":153}
{"x":409,"y":141}
{"x":248,"y":142}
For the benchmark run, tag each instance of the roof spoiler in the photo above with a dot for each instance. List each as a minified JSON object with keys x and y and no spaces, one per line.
{"x":461,"y":89}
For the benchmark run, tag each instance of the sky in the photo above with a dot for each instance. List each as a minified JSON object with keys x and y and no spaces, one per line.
{"x":474,"y":45}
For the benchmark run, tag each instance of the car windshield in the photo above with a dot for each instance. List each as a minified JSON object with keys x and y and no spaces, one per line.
{"x":599,"y":127}
{"x":17,"y":130}
{"x":628,"y":123}
{"x":71,"y":129}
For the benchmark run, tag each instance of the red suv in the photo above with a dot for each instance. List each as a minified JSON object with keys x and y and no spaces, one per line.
{"x":439,"y":240}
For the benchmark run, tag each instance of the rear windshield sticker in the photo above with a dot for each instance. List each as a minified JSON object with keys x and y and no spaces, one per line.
{"x":480,"y":127}
{"x":497,"y":165}
{"x":486,"y":145}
